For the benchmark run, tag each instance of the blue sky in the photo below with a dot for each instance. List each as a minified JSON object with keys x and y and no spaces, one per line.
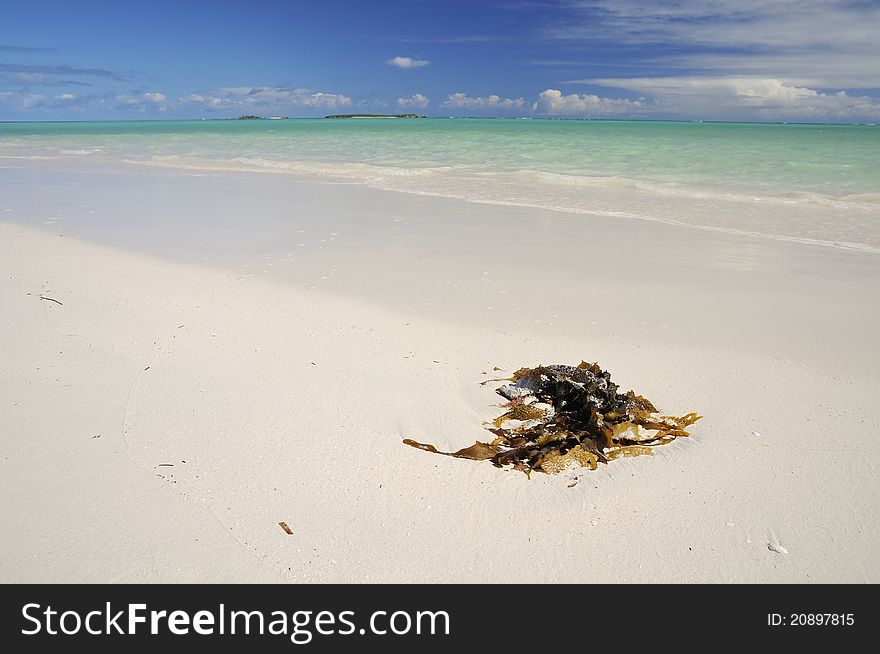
{"x":808,"y":60}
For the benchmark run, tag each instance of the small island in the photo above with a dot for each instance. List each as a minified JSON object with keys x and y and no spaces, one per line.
{"x":375,"y":116}
{"x":249,"y":117}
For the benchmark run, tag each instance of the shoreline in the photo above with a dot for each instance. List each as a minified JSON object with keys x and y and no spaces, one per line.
{"x":388,"y":180}
{"x":289,"y":403}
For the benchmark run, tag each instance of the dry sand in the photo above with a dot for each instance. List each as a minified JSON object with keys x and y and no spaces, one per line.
{"x":205,"y":377}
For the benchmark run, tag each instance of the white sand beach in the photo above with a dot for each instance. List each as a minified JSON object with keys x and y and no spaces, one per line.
{"x":191,"y":358}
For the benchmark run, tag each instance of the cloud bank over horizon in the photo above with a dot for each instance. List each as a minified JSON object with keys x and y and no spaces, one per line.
{"x":690,"y":98}
{"x":250,"y":99}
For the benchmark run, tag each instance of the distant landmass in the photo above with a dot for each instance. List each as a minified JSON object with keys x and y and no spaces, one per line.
{"x":261,"y":118}
{"x":375,"y":116}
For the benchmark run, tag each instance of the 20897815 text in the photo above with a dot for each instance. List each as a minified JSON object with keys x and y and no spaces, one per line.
{"x":810,"y":619}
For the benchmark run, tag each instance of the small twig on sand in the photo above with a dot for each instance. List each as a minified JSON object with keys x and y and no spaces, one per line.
{"x":51,"y":299}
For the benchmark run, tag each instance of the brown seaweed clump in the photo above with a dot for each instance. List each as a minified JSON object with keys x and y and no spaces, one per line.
{"x":562,"y":415}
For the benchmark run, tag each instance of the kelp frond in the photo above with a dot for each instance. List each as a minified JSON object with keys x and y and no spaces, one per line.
{"x":586,"y":421}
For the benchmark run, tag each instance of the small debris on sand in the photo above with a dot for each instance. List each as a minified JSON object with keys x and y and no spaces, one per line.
{"x":776,"y":547}
{"x":287,"y":530}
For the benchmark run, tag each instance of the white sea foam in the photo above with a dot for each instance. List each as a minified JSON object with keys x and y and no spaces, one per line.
{"x":79,"y":152}
{"x":571,"y":179}
{"x":29,"y":157}
{"x":337,"y":168}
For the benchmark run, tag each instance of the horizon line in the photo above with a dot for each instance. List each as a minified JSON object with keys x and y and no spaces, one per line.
{"x":556,"y":118}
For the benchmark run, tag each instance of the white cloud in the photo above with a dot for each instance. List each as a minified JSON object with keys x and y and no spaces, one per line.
{"x":730,"y":97}
{"x":463,"y":101}
{"x":688,"y":97}
{"x":329,"y":100}
{"x":19,"y":101}
{"x":407,"y":62}
{"x":819,"y":43}
{"x":143,"y":102}
{"x":266,"y":98}
{"x":722,"y":23}
{"x":195,"y":98}
{"x":32,"y":100}
{"x":552,"y":102}
{"x":416,"y":101}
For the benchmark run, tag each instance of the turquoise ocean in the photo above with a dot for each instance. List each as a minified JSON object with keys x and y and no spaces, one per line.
{"x":817,"y":183}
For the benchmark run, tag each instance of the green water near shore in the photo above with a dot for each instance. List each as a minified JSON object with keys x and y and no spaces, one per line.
{"x":805,"y":181}
{"x":837,"y":160}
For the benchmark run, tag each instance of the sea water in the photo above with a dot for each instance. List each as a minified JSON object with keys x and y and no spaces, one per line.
{"x":814,"y":183}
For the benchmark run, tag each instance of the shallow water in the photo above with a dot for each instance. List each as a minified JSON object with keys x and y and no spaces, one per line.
{"x":814,"y":183}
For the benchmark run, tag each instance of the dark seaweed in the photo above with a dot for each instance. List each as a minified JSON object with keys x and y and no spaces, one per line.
{"x":560,"y":415}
